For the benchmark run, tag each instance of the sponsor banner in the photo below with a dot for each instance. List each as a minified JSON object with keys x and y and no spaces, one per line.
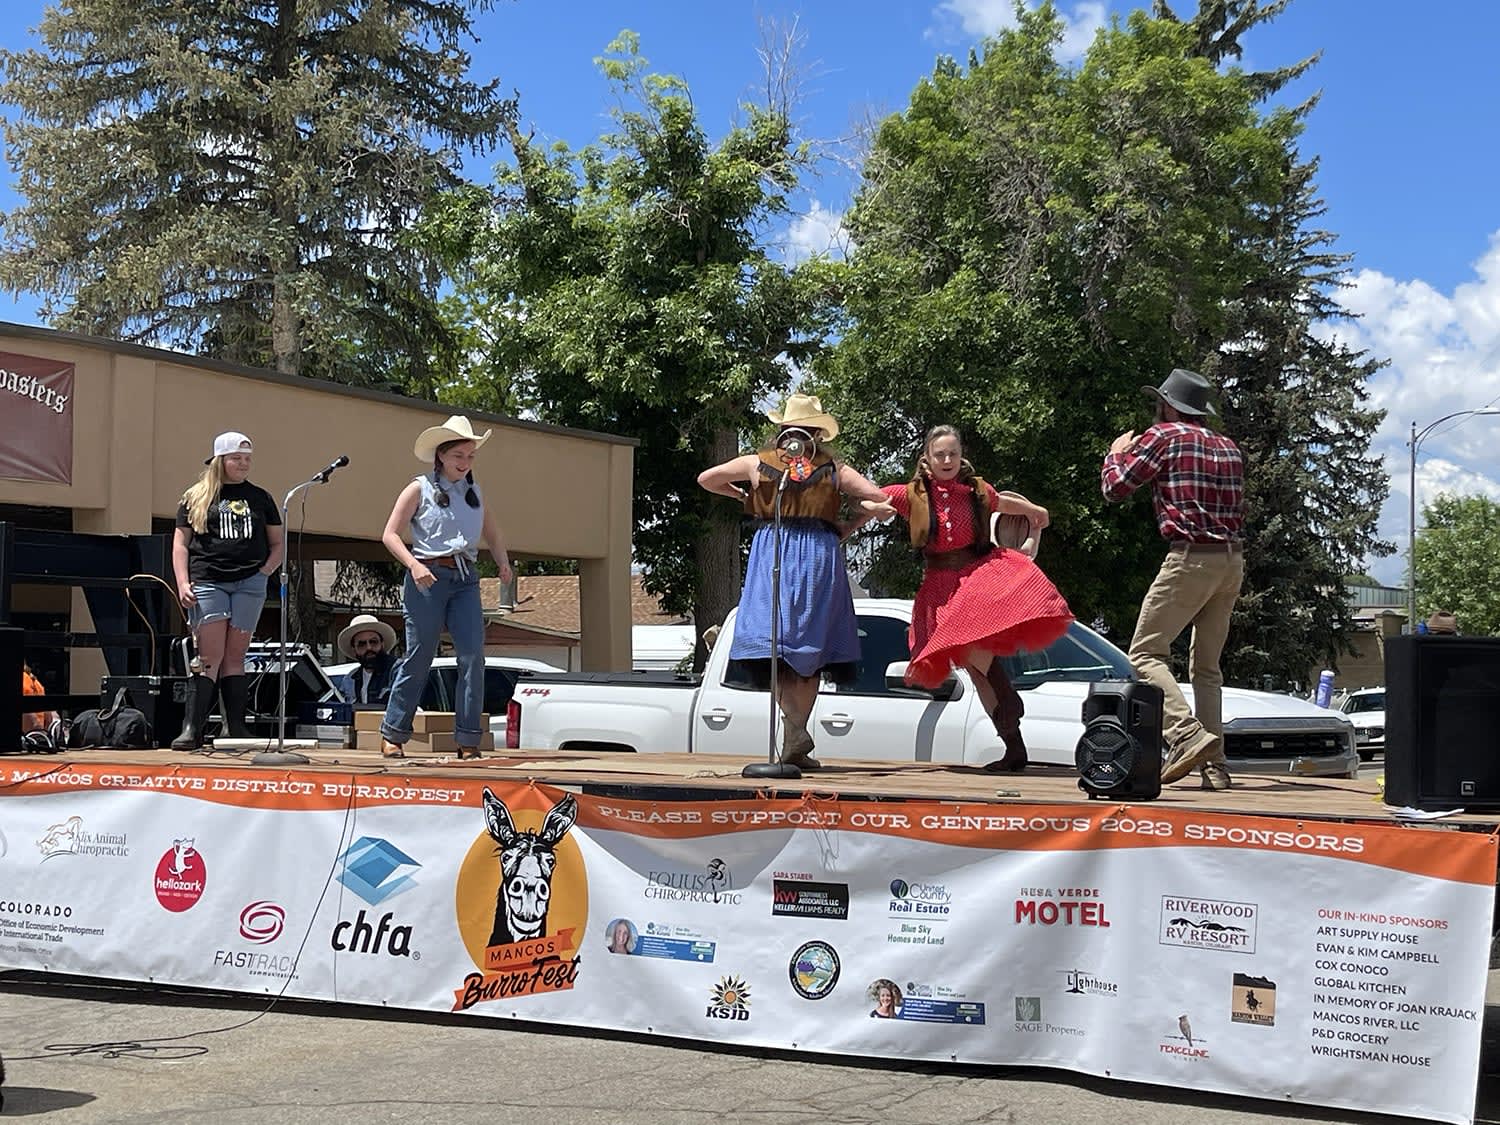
{"x":977,"y":934}
{"x":36,"y":418}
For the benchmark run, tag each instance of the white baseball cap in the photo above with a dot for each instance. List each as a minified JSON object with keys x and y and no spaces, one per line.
{"x":227,"y":443}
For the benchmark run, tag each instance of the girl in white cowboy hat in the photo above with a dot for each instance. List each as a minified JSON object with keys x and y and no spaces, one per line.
{"x":449,"y":523}
{"x":228,"y":542}
{"x":818,"y":634}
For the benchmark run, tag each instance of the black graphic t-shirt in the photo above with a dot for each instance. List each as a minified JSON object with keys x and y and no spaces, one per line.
{"x":233,"y":544}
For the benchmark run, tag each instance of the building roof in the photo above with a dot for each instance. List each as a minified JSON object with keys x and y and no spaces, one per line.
{"x":551,"y":602}
{"x":265,"y":374}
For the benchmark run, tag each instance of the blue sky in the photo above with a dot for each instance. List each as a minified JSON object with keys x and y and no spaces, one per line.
{"x":1408,"y":133}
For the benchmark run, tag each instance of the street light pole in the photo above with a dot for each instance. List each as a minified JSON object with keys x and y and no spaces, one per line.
{"x":1411,"y":540}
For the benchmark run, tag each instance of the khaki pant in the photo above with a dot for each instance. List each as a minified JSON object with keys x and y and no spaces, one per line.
{"x":1196,"y":587}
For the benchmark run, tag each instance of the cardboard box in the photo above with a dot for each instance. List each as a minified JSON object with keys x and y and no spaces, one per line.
{"x":442,"y":743}
{"x":368,"y":720}
{"x":437,"y":744}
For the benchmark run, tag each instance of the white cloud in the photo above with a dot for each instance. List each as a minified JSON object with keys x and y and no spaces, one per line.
{"x":979,"y":18}
{"x":1445,"y":357}
{"x":818,"y":232}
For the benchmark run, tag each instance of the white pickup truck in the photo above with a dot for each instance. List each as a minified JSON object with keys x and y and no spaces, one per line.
{"x":877,"y":716}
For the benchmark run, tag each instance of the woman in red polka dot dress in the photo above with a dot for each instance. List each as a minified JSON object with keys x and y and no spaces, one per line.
{"x":976,"y":601}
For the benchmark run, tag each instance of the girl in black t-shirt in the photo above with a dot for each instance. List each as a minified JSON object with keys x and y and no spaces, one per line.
{"x":228,"y":542}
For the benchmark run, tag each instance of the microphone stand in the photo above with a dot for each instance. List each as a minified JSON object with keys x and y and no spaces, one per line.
{"x":773,"y":766}
{"x":281,"y":756}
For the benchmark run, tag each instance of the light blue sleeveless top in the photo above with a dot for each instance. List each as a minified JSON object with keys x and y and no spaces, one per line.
{"x":454,"y":530}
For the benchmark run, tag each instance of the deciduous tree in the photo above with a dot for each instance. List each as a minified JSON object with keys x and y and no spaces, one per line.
{"x":1035,"y":243}
{"x":1458,"y":562}
{"x":626,"y":286}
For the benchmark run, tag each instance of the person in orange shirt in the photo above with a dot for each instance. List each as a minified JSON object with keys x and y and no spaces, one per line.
{"x":30,"y":685}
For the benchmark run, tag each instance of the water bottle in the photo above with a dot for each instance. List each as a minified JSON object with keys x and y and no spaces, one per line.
{"x":1325,"y":687}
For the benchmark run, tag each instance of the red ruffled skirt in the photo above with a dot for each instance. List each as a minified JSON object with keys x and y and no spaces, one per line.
{"x":1001,"y":604}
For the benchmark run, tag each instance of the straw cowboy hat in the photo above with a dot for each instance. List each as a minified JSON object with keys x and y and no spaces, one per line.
{"x":456,"y":428}
{"x":1185,"y":391}
{"x":806,"y":411}
{"x":365,"y":623}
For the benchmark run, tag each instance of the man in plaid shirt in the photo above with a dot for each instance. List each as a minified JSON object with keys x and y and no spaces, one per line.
{"x":1197,"y":480}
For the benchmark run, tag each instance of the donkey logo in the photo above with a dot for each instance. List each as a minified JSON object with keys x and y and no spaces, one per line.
{"x":527,"y":861}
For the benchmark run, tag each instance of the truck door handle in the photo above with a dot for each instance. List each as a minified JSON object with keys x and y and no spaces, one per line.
{"x":838,"y":720}
{"x":717,"y":716}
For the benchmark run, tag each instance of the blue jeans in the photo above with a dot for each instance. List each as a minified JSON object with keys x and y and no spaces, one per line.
{"x":451,"y":602}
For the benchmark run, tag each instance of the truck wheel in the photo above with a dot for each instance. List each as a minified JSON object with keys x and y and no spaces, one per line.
{"x":1367,"y":755}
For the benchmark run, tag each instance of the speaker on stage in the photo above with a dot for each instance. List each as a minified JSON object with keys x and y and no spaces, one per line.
{"x":1442,"y":715}
{"x":11,"y":656}
{"x":1119,"y":755}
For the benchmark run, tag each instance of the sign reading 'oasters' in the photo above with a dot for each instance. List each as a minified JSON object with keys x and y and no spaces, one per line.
{"x":36,"y":418}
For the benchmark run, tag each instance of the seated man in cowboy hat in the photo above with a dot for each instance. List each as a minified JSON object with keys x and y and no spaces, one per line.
{"x":1197,"y":481}
{"x":368,"y":640}
{"x":1442,"y":623}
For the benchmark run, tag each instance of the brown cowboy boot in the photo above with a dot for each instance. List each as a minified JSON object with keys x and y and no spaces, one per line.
{"x":1007,"y":719}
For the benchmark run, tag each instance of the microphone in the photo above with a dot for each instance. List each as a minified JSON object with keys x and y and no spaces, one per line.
{"x":796,"y":444}
{"x":328,"y":472}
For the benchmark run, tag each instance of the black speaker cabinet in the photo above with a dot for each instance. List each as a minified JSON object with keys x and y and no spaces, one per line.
{"x":1442,"y":722}
{"x":1119,"y":755}
{"x":11,"y":649}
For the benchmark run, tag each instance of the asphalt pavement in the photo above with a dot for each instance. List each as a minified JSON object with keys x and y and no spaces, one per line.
{"x":308,"y":1064}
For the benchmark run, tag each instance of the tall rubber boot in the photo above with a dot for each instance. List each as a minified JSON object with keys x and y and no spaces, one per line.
{"x":200,"y":700}
{"x":233,"y":690}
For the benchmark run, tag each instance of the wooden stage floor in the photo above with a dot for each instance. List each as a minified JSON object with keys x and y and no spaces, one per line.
{"x":661,"y":776}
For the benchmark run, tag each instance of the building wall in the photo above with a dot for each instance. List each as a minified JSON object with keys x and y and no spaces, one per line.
{"x":143,"y":421}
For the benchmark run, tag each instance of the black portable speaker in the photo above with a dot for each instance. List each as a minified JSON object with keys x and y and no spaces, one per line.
{"x":1442,"y":712}
{"x":1119,"y":755}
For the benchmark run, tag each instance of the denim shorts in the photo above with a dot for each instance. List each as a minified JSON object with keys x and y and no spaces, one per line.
{"x":240,"y":602}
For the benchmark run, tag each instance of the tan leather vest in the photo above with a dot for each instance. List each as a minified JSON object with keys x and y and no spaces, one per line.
{"x":922,"y":522}
{"x":817,"y":497}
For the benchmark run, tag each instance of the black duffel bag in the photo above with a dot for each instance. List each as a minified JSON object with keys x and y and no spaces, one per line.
{"x":114,"y":728}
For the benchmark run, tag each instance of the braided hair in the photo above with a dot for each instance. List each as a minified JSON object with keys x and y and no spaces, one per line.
{"x":471,"y":497}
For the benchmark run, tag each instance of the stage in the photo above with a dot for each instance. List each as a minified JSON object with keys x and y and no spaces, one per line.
{"x":702,"y":775}
{"x":1285,"y":939}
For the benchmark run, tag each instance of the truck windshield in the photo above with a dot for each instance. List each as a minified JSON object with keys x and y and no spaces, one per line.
{"x":1079,"y":655}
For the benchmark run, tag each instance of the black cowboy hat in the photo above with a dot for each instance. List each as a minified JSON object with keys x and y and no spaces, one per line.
{"x":1184,"y":391}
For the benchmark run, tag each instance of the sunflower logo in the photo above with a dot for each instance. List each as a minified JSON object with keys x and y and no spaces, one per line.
{"x":730,"y":1000}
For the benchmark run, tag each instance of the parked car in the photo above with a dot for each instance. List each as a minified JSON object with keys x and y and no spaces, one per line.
{"x":441,"y":692}
{"x":1366,"y":710}
{"x":879,"y":716}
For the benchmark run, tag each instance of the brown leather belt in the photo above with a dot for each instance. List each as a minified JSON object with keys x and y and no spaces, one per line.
{"x":1218,"y":547}
{"x":950,"y":560}
{"x":450,"y":561}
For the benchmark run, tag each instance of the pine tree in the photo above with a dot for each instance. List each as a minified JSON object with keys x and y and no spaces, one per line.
{"x":1298,"y":405}
{"x":238,"y":178}
{"x":1296,"y":401}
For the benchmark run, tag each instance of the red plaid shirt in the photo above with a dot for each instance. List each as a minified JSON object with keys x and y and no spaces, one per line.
{"x":1199,"y":479}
